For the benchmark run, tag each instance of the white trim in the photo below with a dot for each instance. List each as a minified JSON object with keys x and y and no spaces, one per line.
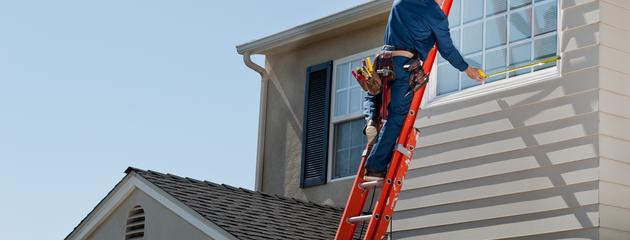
{"x":322,"y":25}
{"x":126,"y":187}
{"x":489,"y":88}
{"x":183,"y":211}
{"x":333,"y":120}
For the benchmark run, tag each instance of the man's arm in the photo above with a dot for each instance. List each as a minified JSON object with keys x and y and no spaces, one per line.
{"x":438,"y":22}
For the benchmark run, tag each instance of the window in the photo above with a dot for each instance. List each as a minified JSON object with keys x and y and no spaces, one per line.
{"x":495,"y":34}
{"x":347,"y":120}
{"x":134,"y":229}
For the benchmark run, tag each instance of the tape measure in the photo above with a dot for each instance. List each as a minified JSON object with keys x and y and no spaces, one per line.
{"x":532,"y":64}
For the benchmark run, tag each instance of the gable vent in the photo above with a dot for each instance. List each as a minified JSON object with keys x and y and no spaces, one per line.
{"x":135,"y":224}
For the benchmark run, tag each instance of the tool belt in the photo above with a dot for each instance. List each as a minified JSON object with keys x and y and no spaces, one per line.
{"x":417,"y":76}
{"x":383,"y":69}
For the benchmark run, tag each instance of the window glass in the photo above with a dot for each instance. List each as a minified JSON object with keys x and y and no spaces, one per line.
{"x":520,"y":25}
{"x":342,"y":76}
{"x":356,"y":99}
{"x":341,"y":103}
{"x":454,"y":17}
{"x":495,"y":62}
{"x":473,"y":38}
{"x":520,"y":54}
{"x":545,"y":48}
{"x":519,"y":3}
{"x":449,"y":79}
{"x":473,"y":10}
{"x":495,"y":7}
{"x":546,"y":18}
{"x":496,"y":33}
{"x":349,"y":143}
{"x":508,"y":33}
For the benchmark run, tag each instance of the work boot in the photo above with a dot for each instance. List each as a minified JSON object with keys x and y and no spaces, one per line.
{"x":374,"y":175}
{"x":371,"y":132}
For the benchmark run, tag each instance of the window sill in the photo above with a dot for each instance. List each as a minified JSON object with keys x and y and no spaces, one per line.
{"x":490,"y":88}
{"x":341,"y":179}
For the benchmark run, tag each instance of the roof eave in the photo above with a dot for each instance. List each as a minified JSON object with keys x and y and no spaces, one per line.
{"x":123,"y":189}
{"x":310,"y":29}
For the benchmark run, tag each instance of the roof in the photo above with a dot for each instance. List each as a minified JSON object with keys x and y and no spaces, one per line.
{"x":347,"y":17}
{"x":248,"y":214}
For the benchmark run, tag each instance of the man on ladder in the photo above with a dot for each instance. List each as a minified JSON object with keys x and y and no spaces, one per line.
{"x":414,"y":26}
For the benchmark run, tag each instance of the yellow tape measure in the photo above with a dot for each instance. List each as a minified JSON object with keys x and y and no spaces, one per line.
{"x":532,"y":64}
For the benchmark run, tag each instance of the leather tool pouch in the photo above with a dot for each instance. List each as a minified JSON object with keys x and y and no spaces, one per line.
{"x":383,"y":72}
{"x":372,"y":85}
{"x":417,"y":76}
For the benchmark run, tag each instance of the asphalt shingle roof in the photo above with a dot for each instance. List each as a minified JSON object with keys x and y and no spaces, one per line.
{"x":248,"y":214}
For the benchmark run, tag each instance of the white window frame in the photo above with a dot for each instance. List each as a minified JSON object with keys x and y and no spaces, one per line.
{"x":333,"y":120}
{"x":432,"y":100}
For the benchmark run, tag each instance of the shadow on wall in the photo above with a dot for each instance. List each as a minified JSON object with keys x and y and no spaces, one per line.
{"x":535,"y":152}
{"x":283,"y":121}
{"x":544,"y":146}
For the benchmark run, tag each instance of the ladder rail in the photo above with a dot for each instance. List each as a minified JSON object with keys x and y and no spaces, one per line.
{"x":384,"y":208}
{"x":386,"y":202}
{"x":355,"y":203}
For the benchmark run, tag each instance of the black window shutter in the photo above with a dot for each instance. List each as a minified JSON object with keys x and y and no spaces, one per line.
{"x":316,"y":122}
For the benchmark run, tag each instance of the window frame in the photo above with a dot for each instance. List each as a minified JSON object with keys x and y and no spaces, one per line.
{"x":432,"y":99}
{"x":335,"y":120}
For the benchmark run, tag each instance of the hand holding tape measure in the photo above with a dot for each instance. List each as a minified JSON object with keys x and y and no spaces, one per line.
{"x":512,"y":69}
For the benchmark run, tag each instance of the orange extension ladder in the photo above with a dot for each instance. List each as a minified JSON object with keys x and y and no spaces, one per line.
{"x":381,"y":215}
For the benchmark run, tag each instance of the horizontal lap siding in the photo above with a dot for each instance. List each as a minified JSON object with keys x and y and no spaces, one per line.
{"x":520,"y":163}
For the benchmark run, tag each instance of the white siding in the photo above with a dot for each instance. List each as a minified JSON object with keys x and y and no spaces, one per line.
{"x":515,"y":164}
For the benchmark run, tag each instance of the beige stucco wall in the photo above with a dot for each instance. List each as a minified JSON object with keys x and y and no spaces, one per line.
{"x":160,"y":223}
{"x":548,"y":160}
{"x":285,"y":110}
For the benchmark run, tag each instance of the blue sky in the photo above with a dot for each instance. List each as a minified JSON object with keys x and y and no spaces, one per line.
{"x":88,"y":88}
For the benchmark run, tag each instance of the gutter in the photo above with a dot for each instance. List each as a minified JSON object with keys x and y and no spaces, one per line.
{"x":262,"y":117}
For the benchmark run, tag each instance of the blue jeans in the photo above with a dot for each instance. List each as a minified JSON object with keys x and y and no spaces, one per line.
{"x":381,"y":153}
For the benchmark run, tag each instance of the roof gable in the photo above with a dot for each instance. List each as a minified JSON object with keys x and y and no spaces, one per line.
{"x":247,"y":214}
{"x":220,"y":211}
{"x":119,"y":194}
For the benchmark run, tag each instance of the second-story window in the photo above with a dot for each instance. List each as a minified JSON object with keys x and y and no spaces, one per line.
{"x":347,"y":122}
{"x":494,"y":34}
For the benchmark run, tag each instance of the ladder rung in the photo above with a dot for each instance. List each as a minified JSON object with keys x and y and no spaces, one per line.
{"x":359,"y":219}
{"x":371,"y":184}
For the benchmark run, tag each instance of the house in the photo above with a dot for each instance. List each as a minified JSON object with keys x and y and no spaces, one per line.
{"x":541,"y":153}
{"x":157,"y":206}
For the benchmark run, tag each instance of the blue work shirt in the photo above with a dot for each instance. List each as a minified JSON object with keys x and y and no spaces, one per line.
{"x":418,"y":24}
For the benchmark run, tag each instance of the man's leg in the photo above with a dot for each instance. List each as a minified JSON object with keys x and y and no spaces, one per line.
{"x":371,"y":108}
{"x":398,"y":108}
